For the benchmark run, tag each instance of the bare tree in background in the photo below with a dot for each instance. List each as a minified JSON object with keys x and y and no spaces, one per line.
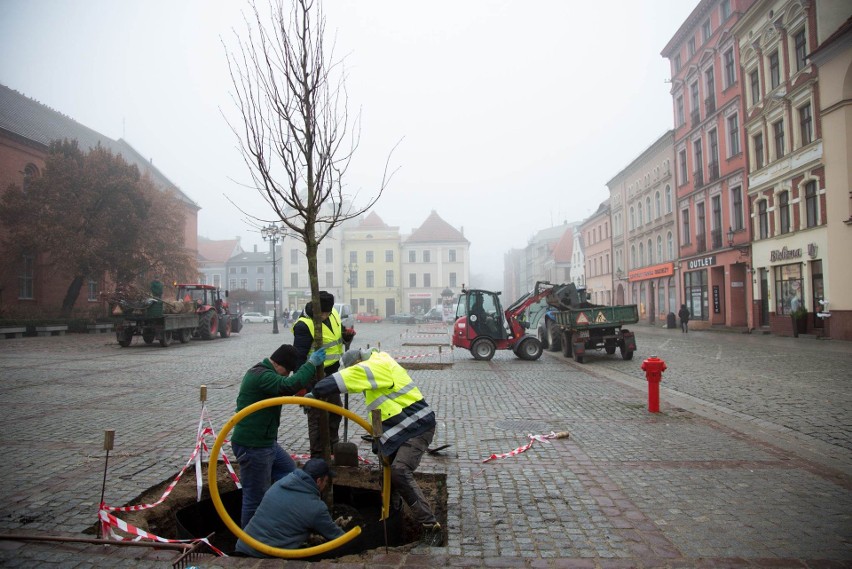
{"x":296,"y":137}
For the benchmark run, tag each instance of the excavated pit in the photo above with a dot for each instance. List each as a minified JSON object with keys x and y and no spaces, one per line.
{"x":356,"y":495}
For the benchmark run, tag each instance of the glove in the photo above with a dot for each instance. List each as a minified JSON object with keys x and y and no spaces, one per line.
{"x":308,"y":395}
{"x":348,"y":334}
{"x":317,"y":358}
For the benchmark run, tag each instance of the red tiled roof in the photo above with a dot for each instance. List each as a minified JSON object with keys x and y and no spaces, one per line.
{"x":373,"y":221}
{"x":217,"y":251}
{"x":435,"y":229}
{"x":564,"y":248}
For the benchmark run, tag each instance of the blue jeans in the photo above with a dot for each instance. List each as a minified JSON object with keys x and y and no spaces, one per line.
{"x":259,"y":468}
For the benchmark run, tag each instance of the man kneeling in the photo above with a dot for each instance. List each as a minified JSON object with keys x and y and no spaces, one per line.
{"x":291,"y":509}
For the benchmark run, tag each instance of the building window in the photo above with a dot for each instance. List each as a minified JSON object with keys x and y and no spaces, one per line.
{"x":788,"y":285}
{"x":685,"y":237}
{"x":427,"y":280}
{"x":716,"y":220}
{"x":368,"y":257}
{"x":639,"y":213}
{"x":232,"y":271}
{"x":778,"y":129}
{"x":233,"y":284}
{"x":453,"y":282}
{"x":371,"y":279}
{"x":389,"y":278}
{"x":389,"y":256}
{"x":427,"y":256}
{"x":784,"y":211}
{"x":641,"y":254}
{"x":244,"y":284}
{"x":811,"y":204}
{"x":259,"y":285}
{"x":681,"y":117}
{"x":451,"y":255}
{"x":695,"y":294}
{"x":329,"y":279}
{"x":730,"y":68}
{"x":801,"y":50}
{"x":353,"y":257}
{"x":733,"y":135}
{"x":763,"y":219}
{"x":725,"y":9}
{"x":657,"y":205}
{"x":690,"y":46}
{"x":670,"y":245}
{"x":774,"y":70}
{"x":217,"y":280}
{"x":633,"y":261}
{"x":677,"y":63}
{"x":758,"y":151}
{"x":710,"y":89}
{"x":412,"y":280}
{"x":694,"y":104}
{"x":92,"y":290}
{"x":412,"y":256}
{"x":706,"y":30}
{"x":737,"y":208}
{"x":329,"y":255}
{"x":30,"y":174}
{"x":754,"y":82}
{"x":294,"y":256}
{"x":648,"y":209}
{"x":668,"y":199}
{"x":700,"y":226}
{"x":294,"y":280}
{"x":698,"y":155}
{"x":806,"y":124}
{"x":243,"y":270}
{"x":659,"y":248}
{"x":713,"y":165}
{"x":632,"y":219}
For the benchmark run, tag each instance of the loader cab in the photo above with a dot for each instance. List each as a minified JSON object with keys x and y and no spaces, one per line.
{"x":483,"y":314}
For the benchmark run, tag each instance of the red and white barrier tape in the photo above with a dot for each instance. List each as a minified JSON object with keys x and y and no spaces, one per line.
{"x":519,"y":450}
{"x":411,"y":357}
{"x":108,"y":521}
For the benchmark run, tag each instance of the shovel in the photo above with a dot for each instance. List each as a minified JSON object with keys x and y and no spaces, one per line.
{"x":346,"y":453}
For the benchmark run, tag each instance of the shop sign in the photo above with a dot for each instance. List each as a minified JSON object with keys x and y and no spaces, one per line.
{"x":419,"y":295}
{"x":785,"y":254}
{"x":701,"y":263}
{"x":737,"y":284}
{"x":652,"y":272}
{"x":717,"y":308}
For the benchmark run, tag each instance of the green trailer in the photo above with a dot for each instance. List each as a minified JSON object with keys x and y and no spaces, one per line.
{"x":596,"y":327}
{"x":149,"y":321}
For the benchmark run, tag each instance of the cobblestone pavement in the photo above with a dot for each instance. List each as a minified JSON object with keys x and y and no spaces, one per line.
{"x":749,"y":463}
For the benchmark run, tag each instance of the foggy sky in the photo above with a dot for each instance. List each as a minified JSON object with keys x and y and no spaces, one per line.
{"x":512,"y":115}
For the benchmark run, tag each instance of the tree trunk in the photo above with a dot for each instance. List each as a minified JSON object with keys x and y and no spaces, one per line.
{"x":71,"y":296}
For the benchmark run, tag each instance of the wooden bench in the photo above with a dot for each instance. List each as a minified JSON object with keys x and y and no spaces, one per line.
{"x":99,"y":328}
{"x":12,"y":331}
{"x":51,"y":330}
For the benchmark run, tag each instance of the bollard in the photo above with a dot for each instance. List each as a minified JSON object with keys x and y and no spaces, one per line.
{"x":654,"y":368}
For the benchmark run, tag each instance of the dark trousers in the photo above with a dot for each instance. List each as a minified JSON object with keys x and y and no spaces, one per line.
{"x":404,"y":463}
{"x":334,"y":419}
{"x":684,"y":325}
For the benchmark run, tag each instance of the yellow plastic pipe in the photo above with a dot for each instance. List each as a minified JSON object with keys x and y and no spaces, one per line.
{"x":234,"y":527}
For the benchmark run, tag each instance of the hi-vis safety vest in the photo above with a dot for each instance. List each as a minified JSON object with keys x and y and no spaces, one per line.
{"x":387,"y":387}
{"x":332,"y":339}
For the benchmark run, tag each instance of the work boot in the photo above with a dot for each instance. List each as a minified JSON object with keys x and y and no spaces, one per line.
{"x":431,"y":535}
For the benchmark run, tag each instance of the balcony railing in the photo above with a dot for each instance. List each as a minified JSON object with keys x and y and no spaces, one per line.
{"x":716,"y":236}
{"x":698,"y":178}
{"x":713,"y":171}
{"x":701,"y":242}
{"x":710,"y":105}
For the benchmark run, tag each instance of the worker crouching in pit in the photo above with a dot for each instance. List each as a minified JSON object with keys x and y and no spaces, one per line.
{"x":408,"y":425}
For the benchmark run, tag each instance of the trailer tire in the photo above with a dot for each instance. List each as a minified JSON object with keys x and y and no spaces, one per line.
{"x":626,"y":354}
{"x":208,"y":325}
{"x":166,"y":338}
{"x":124,"y":336}
{"x":529,"y":349}
{"x":567,"y":346}
{"x":184,"y":335}
{"x":554,"y":338}
{"x":225,"y":330}
{"x":149,"y":335}
{"x":483,"y":349}
{"x":609,"y":349}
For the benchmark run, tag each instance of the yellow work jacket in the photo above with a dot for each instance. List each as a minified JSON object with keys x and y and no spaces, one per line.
{"x":387,"y":387}
{"x":332,"y":338}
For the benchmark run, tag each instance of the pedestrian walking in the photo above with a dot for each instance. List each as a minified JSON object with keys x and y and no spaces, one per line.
{"x":683,"y":314}
{"x":254,"y":442}
{"x":408,"y":425}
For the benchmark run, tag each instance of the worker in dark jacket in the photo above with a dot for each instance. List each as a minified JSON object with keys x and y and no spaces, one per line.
{"x":254,"y":442}
{"x":683,"y":314}
{"x":333,"y":339}
{"x":291,"y":509}
{"x":408,"y":424}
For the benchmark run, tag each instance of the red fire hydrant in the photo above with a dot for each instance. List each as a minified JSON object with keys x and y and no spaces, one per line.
{"x":654,"y":368}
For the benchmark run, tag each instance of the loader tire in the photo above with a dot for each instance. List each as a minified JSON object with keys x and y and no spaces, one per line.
{"x":208,"y":325}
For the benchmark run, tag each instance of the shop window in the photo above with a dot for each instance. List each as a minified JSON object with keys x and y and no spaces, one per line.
{"x":695,"y":294}
{"x":788,"y":287}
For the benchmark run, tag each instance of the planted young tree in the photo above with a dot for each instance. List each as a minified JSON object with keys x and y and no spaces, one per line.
{"x":93,"y":214}
{"x":296,"y":137}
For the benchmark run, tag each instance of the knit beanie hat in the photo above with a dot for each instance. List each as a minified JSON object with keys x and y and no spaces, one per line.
{"x":286,"y":356}
{"x":326,"y":301}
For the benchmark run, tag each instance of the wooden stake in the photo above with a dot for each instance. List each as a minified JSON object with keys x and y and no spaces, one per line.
{"x":109,"y":439}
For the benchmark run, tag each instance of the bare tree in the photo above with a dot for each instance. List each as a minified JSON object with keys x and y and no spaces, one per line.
{"x":296,"y":137}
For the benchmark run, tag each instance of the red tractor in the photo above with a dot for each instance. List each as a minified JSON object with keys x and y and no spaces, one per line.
{"x":214,"y":313}
{"x":483,"y":327}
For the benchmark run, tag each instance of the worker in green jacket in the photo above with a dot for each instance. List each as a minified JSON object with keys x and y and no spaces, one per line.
{"x":255,"y":439}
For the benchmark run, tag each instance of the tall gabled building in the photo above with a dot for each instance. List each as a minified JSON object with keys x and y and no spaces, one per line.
{"x":371,"y":267}
{"x":435,"y":257}
{"x":707,"y":86}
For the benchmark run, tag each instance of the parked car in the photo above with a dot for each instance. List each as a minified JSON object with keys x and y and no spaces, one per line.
{"x":435,"y":314}
{"x":366,"y":317}
{"x":403,"y":318}
{"x":251,"y":317}
{"x":347,"y":317}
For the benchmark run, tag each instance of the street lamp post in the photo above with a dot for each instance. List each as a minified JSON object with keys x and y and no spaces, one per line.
{"x":272,"y":233}
{"x":352,"y":270}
